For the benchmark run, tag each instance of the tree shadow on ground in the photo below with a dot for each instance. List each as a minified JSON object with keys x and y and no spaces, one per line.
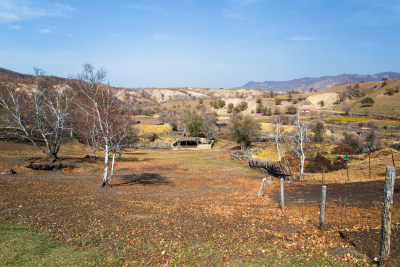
{"x":134,"y":159}
{"x":144,"y":179}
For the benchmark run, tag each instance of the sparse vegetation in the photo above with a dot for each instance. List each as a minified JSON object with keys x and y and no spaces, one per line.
{"x":391,"y":91}
{"x":352,"y":141}
{"x":218,"y":104}
{"x":367,"y":102}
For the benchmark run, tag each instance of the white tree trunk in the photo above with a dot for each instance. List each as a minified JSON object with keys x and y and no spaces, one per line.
{"x":302,"y":159}
{"x":106,"y":160}
{"x":94,"y":153}
{"x":112,"y":168}
{"x":301,"y":139}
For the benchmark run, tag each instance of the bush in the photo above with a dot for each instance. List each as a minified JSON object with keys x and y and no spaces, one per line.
{"x":342,"y":149}
{"x":319,"y":131}
{"x":367,"y":102}
{"x":150,"y":137}
{"x":243,"y":128}
{"x":291,"y":110}
{"x":259,"y":108}
{"x":230,"y":108}
{"x":346,"y":109}
{"x":218,"y":104}
{"x":267,"y":112}
{"x":391,"y":91}
{"x":353,"y":141}
{"x":278,"y":101}
{"x":243,"y":105}
{"x":194,"y":123}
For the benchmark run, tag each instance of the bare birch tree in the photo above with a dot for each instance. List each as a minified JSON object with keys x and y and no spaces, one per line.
{"x":122,"y":134}
{"x":99,"y":102}
{"x":300,"y":141}
{"x":40,"y":114}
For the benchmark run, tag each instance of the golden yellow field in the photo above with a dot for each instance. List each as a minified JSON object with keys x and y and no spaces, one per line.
{"x":145,"y":129}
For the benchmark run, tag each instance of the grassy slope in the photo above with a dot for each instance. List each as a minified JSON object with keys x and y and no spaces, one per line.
{"x":384,"y":104}
{"x":20,"y":246}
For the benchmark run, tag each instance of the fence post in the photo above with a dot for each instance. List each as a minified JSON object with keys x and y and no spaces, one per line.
{"x":322,"y":213}
{"x":384,"y":253}
{"x":260,"y":193}
{"x":282,"y":195}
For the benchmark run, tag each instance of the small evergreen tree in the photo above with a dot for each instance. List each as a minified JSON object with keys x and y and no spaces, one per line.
{"x":319,"y":131}
{"x":243,"y":128}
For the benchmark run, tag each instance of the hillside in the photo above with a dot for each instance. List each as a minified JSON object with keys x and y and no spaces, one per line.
{"x":386,"y":96}
{"x":10,"y":73}
{"x":168,"y":95}
{"x":320,"y":84}
{"x":342,"y":98}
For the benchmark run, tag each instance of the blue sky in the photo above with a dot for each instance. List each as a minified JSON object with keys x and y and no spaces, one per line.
{"x":202,"y":43}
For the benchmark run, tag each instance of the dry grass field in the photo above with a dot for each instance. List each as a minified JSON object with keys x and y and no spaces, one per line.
{"x":183,"y":208}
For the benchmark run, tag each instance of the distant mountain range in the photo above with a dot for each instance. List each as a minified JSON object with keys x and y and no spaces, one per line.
{"x":320,"y":83}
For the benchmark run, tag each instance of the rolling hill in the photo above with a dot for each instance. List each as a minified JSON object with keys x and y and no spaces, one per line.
{"x":320,"y":84}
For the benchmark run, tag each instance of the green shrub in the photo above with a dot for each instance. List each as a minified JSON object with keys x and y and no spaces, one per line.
{"x":367,"y":102}
{"x":319,"y":132}
{"x":291,"y":110}
{"x":391,"y":91}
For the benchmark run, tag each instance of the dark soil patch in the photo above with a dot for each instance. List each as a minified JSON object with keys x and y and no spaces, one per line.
{"x":366,"y":194}
{"x":144,"y":179}
{"x":368,"y":242}
{"x":51,"y":166}
{"x":47,"y":164}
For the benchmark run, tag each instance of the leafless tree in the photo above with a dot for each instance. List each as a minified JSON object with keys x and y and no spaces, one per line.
{"x":40,"y":114}
{"x":87,"y":130}
{"x":122,"y":135}
{"x":300,"y":141}
{"x":99,"y":103}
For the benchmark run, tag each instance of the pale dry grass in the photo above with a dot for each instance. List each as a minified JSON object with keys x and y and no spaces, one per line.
{"x":144,"y":129}
{"x":265,"y":126}
{"x":269,"y":153}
